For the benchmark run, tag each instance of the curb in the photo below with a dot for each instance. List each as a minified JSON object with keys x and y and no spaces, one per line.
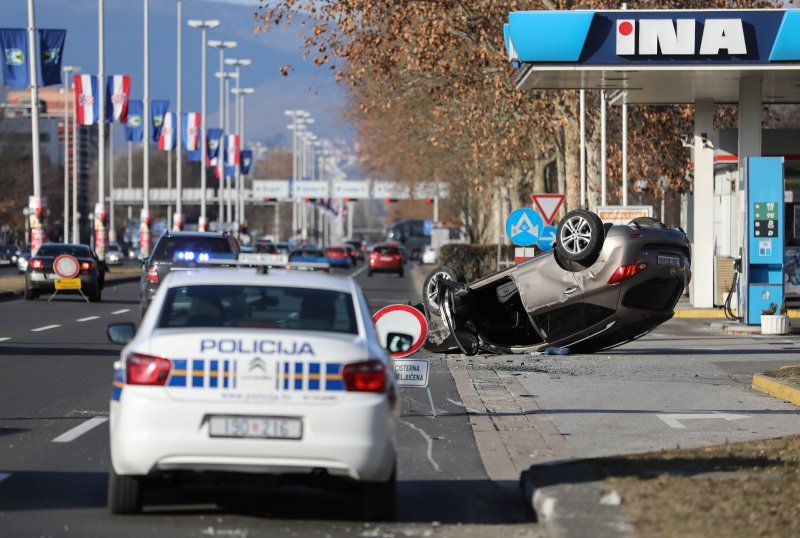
{"x":570,"y":501}
{"x":776,"y":389}
{"x":715,"y":313}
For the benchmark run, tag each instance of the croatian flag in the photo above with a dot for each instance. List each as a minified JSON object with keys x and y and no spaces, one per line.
{"x":87,"y":108}
{"x":191,"y":134}
{"x":166,"y":138}
{"x":231,"y":154}
{"x":118,"y":88}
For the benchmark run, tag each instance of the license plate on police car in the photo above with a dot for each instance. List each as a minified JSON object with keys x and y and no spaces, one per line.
{"x":255,"y":427}
{"x":672,"y":261}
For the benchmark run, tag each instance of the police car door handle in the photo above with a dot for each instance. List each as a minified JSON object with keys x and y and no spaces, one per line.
{"x":570,"y":291}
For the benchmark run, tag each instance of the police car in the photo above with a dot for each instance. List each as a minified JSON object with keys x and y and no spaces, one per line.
{"x":233,"y":371}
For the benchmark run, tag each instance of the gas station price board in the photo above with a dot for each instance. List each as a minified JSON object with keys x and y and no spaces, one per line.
{"x":765,"y":219}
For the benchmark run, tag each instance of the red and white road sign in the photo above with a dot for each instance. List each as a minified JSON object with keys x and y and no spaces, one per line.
{"x":66,"y":266}
{"x":401,"y":318}
{"x":548,"y":205}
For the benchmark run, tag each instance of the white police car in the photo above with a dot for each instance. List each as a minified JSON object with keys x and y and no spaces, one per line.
{"x":232,"y":371}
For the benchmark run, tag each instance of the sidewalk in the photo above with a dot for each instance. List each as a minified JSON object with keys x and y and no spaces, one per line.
{"x":684,"y":309}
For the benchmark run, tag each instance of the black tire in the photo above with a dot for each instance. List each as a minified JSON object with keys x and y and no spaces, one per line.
{"x":376,"y":500}
{"x":96,"y":296}
{"x":30,"y":294}
{"x":429,"y":287}
{"x":124,"y":493}
{"x":401,"y":273}
{"x":369,"y":274}
{"x":580,"y":237}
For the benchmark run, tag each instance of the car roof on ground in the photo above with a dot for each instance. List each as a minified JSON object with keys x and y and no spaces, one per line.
{"x":247,"y":276}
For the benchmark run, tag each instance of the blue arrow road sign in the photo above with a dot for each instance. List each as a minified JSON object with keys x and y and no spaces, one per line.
{"x":548,"y":238}
{"x":524,"y":226}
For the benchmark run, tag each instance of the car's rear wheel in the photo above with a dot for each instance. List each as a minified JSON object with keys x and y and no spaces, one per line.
{"x":96,"y":295}
{"x":30,"y":294}
{"x":580,"y":237}
{"x":124,"y":493}
{"x":430,"y":288}
{"x":377,"y":500}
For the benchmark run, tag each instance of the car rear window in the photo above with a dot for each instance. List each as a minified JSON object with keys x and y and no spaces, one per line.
{"x":267,"y":248}
{"x":79,"y":251}
{"x":334,"y":250}
{"x":387,"y":250}
{"x":272,"y":307}
{"x":167,"y":247}
{"x":307,"y":254}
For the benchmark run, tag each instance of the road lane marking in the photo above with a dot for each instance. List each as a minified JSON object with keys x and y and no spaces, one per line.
{"x":3,"y":339}
{"x":79,"y":430}
{"x":673,"y":420}
{"x":358,"y":272}
{"x":90,"y":318}
{"x":428,"y":440}
{"x":45,"y":328}
{"x":120,"y":311}
{"x":3,"y":476}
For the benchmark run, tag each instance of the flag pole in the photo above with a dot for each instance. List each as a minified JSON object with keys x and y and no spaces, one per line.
{"x":100,"y":233}
{"x":67,"y":69}
{"x":37,"y":233}
{"x":144,"y":225}
{"x":130,"y":186}
{"x":169,"y":188}
{"x":178,"y":170}
{"x":76,"y":232}
{"x":112,"y":232}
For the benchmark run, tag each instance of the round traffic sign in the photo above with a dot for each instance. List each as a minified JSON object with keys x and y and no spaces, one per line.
{"x":404,"y":319}
{"x":66,"y":266}
{"x":524,"y":226}
{"x":548,"y":238}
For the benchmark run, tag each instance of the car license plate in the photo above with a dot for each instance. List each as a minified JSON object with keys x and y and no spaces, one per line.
{"x":386,"y":258}
{"x":256,"y":427}
{"x":672,"y":261}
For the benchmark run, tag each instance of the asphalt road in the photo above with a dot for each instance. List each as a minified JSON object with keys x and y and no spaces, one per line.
{"x":55,"y":383}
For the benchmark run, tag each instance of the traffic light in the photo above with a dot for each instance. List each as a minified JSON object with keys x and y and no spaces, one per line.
{"x":428,"y":200}
{"x":267,"y":200}
{"x":390,"y":200}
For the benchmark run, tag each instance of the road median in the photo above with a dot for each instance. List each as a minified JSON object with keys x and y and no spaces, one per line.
{"x":783,"y":384}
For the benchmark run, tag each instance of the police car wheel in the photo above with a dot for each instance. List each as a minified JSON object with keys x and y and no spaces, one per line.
{"x":124,"y":493}
{"x":580,"y":237}
{"x":377,"y":499}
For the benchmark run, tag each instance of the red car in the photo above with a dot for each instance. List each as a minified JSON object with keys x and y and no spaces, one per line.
{"x":386,"y":259}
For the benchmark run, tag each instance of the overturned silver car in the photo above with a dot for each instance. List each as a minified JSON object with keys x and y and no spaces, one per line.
{"x":601,"y":286}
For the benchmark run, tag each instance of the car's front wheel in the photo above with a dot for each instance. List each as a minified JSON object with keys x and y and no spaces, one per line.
{"x":430,"y":288}
{"x":124,"y":493}
{"x":580,"y":237}
{"x":377,"y":500}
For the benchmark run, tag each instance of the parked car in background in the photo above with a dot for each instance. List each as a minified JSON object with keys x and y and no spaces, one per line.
{"x":23,"y":254}
{"x":264,"y":246}
{"x":359,"y":247}
{"x":40,"y":275}
{"x":114,"y":255}
{"x":386,"y":259}
{"x":282,"y":248}
{"x":429,"y":255}
{"x":339,"y":257}
{"x":309,"y":259}
{"x":7,"y":254}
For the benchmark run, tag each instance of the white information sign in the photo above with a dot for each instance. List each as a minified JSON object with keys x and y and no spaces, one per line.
{"x":274,"y":189}
{"x":310,"y":189}
{"x":351,"y":189}
{"x":619,"y":214}
{"x":411,"y":372}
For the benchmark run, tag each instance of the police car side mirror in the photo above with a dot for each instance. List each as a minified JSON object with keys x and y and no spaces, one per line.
{"x":399,"y":342}
{"x":120,"y":333}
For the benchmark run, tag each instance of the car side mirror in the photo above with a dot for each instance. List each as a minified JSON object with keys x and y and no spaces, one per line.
{"x":399,"y":342}
{"x":120,"y":333}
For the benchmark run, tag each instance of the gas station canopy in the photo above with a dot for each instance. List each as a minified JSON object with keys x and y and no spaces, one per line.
{"x":658,"y":57}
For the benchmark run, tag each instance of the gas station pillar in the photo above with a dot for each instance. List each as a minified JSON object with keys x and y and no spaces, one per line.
{"x":750,"y":113}
{"x":702,"y":232}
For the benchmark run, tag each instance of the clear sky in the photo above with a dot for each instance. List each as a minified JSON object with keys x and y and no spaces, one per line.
{"x":306,"y":87}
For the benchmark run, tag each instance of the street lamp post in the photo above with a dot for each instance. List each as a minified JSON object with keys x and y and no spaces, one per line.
{"x":177,"y":222}
{"x":240,"y":94}
{"x":238,"y":64}
{"x":36,"y":233}
{"x":221,"y":45}
{"x":101,"y":234}
{"x":203,"y":25}
{"x":67,"y":70}
{"x":75,"y":221}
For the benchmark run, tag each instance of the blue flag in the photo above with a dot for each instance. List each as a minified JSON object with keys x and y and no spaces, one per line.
{"x":213,"y":139}
{"x":14,"y":43}
{"x":158,"y":107}
{"x":133,"y":129}
{"x":194,"y":156}
{"x":246,"y":157}
{"x":51,"y":47}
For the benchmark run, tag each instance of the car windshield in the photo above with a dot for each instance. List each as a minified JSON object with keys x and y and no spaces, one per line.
{"x":387,"y":250}
{"x":307,"y":253}
{"x":286,"y":308}
{"x":79,"y":251}
{"x":113,"y":248}
{"x":168,"y":247}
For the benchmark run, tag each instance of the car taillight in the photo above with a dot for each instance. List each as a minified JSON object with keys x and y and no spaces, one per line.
{"x":363,"y":248}
{"x":36,"y":263}
{"x":152,"y":274}
{"x":626,"y":271}
{"x":146,"y":370}
{"x":86,"y":267}
{"x":368,"y":376}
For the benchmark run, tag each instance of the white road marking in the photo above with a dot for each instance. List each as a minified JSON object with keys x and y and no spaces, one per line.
{"x":45,"y":328}
{"x":3,"y":476}
{"x":79,"y":430}
{"x":3,"y":339}
{"x":469,"y":409}
{"x":673,"y":419}
{"x":120,"y":311}
{"x":90,"y":318}
{"x":428,"y":440}
{"x":358,"y":272}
